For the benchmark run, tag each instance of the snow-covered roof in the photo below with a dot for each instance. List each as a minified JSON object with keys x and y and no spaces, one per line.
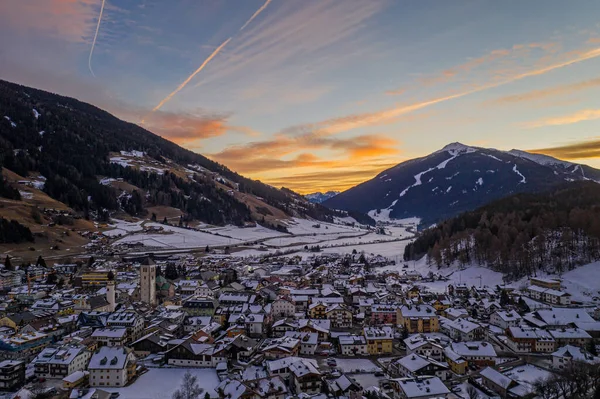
{"x":418,"y":311}
{"x":473,"y":348}
{"x":109,"y":358}
{"x":428,"y":387}
{"x":497,"y":377}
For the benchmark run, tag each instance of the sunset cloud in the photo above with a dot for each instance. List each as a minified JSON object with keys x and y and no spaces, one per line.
{"x":355,"y":121}
{"x":183,"y":128}
{"x":579,"y":116}
{"x":71,"y":20}
{"x":286,"y":152}
{"x":545,"y":93}
{"x":328,"y":179}
{"x":582,"y":150}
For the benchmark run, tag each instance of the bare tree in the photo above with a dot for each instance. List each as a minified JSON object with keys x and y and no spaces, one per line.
{"x":472,"y":392}
{"x":189,"y":388}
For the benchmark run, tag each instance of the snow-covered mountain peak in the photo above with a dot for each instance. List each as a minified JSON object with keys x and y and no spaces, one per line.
{"x":457,"y":148}
{"x":456,"y":179}
{"x":540,"y":159}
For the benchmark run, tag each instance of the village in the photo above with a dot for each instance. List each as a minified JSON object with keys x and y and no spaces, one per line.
{"x":270,"y":327}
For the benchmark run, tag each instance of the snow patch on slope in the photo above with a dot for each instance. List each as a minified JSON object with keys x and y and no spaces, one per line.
{"x":455,"y":153}
{"x":523,"y":180}
{"x":540,"y":159}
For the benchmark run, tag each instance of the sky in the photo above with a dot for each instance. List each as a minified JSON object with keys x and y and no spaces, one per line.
{"x":319,"y":95}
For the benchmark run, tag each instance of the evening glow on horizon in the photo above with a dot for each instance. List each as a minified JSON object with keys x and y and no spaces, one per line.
{"x":321,"y":95}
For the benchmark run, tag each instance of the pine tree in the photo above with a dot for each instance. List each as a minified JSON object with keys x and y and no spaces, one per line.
{"x":41,"y":262}
{"x":591,"y":348}
{"x":7,"y":264}
{"x":504,"y":298}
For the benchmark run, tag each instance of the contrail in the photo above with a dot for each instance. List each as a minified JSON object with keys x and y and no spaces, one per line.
{"x":353,"y":122}
{"x":95,"y":37}
{"x":185,"y":82}
{"x":256,"y":14}
{"x":206,"y":61}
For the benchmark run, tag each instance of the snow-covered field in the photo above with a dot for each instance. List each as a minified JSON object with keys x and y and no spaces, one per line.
{"x":583,"y":283}
{"x":298,"y":226}
{"x":246,"y":233}
{"x":160,"y":383}
{"x":122,"y":227}
{"x":177,"y":238}
{"x":324,"y":238}
{"x":356,"y":366}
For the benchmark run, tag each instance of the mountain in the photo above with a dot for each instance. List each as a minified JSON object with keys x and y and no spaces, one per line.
{"x":520,"y":235}
{"x":456,"y":179}
{"x":96,"y":165}
{"x":320,"y":197}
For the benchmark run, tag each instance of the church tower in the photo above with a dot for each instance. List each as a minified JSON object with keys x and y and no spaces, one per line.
{"x":148,"y":282}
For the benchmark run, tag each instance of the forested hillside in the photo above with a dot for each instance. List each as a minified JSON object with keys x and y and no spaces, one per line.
{"x":70,"y":143}
{"x":521,"y":234}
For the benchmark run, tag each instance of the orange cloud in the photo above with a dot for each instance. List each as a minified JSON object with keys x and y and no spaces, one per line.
{"x":395,"y":92}
{"x":72,"y":20}
{"x":581,"y":150}
{"x":184,"y":128}
{"x":268,"y":155}
{"x":579,"y":116}
{"x":544,"y":93}
{"x":328,"y":179}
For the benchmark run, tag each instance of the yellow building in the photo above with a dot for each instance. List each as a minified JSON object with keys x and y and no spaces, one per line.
{"x":418,"y":318}
{"x":441,"y":306}
{"x":379,"y":340}
{"x":93,"y":278}
{"x":413,"y":293}
{"x":456,"y":362}
{"x":317,"y":311}
{"x":75,"y":379}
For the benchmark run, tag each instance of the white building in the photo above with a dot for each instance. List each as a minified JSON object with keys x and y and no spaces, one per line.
{"x":128,"y":319}
{"x":505,"y":319}
{"x":283,"y":308}
{"x":462,"y":329}
{"x":59,"y":362}
{"x":353,"y":345}
{"x":549,"y":295}
{"x":419,"y":388}
{"x":308,"y":341}
{"x":111,"y":367}
{"x":563,"y":357}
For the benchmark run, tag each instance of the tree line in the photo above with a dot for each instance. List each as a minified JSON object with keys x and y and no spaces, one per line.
{"x":521,"y":234}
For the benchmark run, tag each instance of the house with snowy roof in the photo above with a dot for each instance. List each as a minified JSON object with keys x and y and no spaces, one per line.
{"x":423,"y":345}
{"x":418,"y":366}
{"x":462,"y":329}
{"x":505,"y":319}
{"x":353,"y":345}
{"x":111,"y":367}
{"x":567,"y":354}
{"x":479,"y":353}
{"x":379,"y":339}
{"x":418,"y":318}
{"x":419,"y":388}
